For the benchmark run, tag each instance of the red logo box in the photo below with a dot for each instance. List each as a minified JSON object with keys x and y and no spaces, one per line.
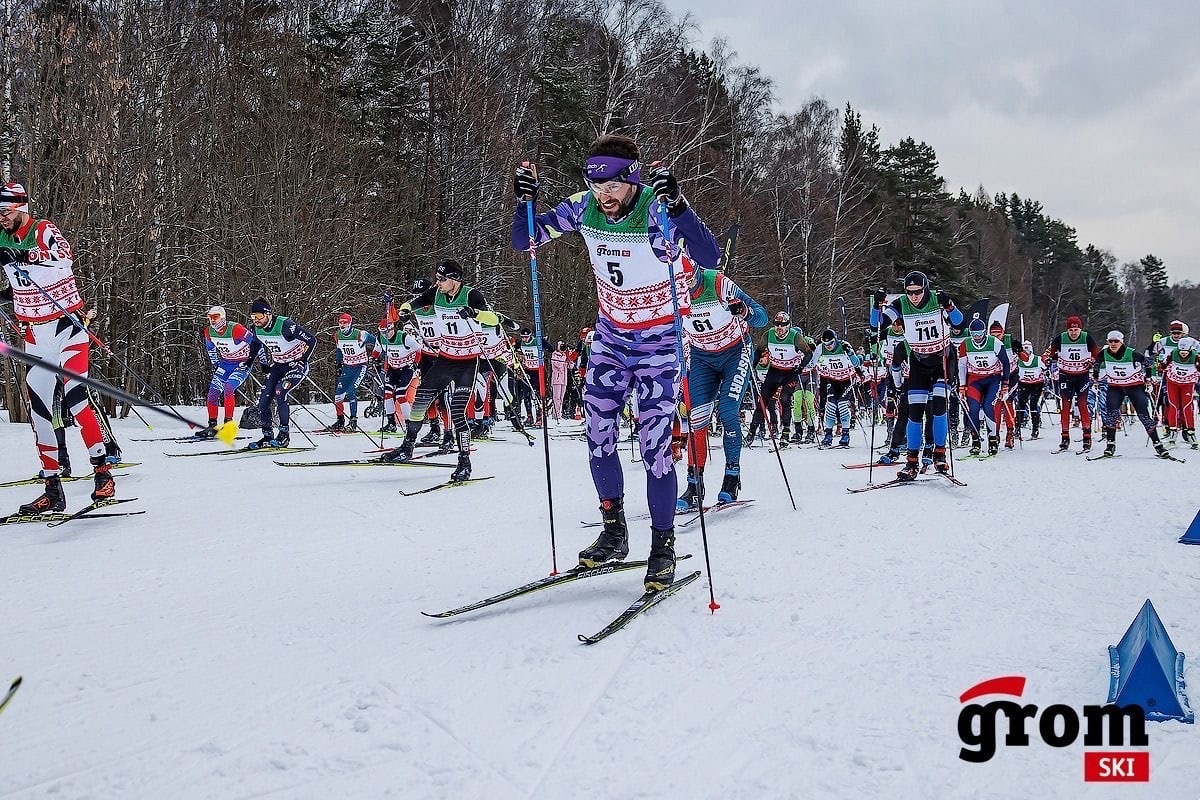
{"x":1118,"y":767}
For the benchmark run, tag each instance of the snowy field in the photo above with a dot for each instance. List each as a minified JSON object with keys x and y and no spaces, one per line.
{"x":257,"y":632}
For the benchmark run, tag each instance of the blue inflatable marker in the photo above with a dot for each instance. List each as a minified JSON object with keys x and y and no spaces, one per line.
{"x":1192,"y":536}
{"x":1147,"y":670}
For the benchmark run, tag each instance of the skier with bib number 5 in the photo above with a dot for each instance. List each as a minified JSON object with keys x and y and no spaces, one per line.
{"x":634,"y":349}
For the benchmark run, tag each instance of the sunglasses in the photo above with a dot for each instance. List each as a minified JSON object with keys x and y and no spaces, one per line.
{"x":914,"y":291}
{"x":1114,"y":341}
{"x":613,"y":184}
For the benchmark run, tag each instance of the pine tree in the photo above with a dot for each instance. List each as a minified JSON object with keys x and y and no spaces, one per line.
{"x":922,"y":237}
{"x":1159,"y":303}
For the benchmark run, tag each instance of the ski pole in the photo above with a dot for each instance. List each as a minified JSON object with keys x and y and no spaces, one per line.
{"x":766,"y":421}
{"x":98,"y":342}
{"x":226,"y":433}
{"x":268,"y":419}
{"x":537,"y":335}
{"x":663,"y":221}
{"x":325,"y":395}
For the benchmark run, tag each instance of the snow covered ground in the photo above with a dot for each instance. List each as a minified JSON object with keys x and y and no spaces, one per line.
{"x":257,"y":632}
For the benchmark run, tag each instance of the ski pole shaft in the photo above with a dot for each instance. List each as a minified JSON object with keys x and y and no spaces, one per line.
{"x":537,"y":335}
{"x":100,"y":386}
{"x":74,"y":320}
{"x":664,"y":220}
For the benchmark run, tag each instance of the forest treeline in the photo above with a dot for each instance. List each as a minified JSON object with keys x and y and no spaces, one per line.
{"x":208,"y":152}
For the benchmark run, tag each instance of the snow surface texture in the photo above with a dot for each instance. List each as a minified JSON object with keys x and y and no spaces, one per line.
{"x":257,"y":632}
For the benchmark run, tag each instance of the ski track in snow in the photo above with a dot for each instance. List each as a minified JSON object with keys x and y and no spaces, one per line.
{"x":256,"y":633}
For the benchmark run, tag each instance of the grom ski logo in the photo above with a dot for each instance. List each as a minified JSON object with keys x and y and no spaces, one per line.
{"x":983,"y":727}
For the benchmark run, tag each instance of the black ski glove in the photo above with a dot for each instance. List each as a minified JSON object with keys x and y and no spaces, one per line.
{"x":666,"y":189}
{"x":525,"y":183}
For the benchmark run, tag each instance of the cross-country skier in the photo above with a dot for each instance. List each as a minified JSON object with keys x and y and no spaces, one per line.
{"x":1180,"y":374}
{"x":1075,"y":351}
{"x":352,"y":350}
{"x":1124,"y":370}
{"x":397,"y":349}
{"x":1162,"y":350}
{"x":1031,"y":381}
{"x":636,"y":341}
{"x":286,"y":348}
{"x":837,"y":366}
{"x":38,"y":261}
{"x":925,"y":315}
{"x":458,"y":311}
{"x":718,"y":373}
{"x":228,"y":348}
{"x":983,"y":372}
{"x":787,"y":354}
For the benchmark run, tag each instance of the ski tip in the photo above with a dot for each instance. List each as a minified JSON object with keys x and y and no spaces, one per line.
{"x":228,"y":432}
{"x":439,"y":615}
{"x":16,"y":682}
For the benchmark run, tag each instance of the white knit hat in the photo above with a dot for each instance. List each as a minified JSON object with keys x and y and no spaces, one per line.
{"x":1120,"y":337}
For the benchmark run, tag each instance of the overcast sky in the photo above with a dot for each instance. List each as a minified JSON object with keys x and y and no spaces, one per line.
{"x":1092,"y":108}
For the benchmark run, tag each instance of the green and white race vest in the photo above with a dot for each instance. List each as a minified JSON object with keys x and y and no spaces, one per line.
{"x":226,"y":343}
{"x":353,"y":347}
{"x":1120,"y":370}
{"x":1182,"y":370}
{"x":786,"y":352}
{"x":282,"y":351}
{"x":834,"y":364}
{"x":428,"y":330}
{"x":1073,"y":355}
{"x":925,"y":327}
{"x":398,"y":352}
{"x":983,"y":360}
{"x":632,"y":286}
{"x":458,"y":338}
{"x":1030,"y":371}
{"x":711,"y":327}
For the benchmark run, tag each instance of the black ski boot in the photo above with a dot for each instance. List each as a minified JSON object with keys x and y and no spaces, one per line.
{"x":352,"y":425}
{"x":731,"y":485}
{"x":660,"y":566}
{"x":388,"y":427}
{"x":939,"y":460}
{"x":435,"y":433}
{"x":338,"y":426}
{"x":613,"y":542}
{"x":106,"y":487}
{"x":282,"y":439}
{"x":912,"y":465}
{"x":693,"y":496}
{"x":207,"y":433}
{"x":448,"y":445}
{"x":1087,"y":441}
{"x":976,"y":446}
{"x":402,"y":453}
{"x":463,"y":470}
{"x":1110,"y":448}
{"x":268,"y":436}
{"x":52,"y":499}
{"x":64,"y":463}
{"x":993,"y":445}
